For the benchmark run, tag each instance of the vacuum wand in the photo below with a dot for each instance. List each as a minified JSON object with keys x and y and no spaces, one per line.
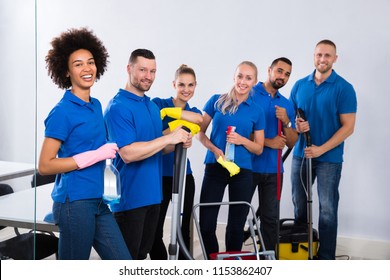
{"x":301,"y":114}
{"x":179,"y":169}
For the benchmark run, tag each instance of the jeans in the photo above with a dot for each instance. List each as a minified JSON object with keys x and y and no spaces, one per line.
{"x":138,"y":227}
{"x":215,"y":180}
{"x":88,"y":223}
{"x":159,"y":251}
{"x":328,"y":178}
{"x":267,"y":211}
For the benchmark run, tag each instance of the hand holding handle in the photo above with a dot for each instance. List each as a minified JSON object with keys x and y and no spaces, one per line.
{"x":301,"y":115}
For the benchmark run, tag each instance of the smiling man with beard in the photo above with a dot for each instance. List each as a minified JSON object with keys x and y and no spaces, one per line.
{"x":133,"y":122}
{"x":330,"y":105}
{"x":265,"y":166}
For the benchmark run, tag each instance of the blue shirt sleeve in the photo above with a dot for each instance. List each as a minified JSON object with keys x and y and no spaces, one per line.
{"x":209,"y":107}
{"x":56,"y":124}
{"x":120,"y":127}
{"x":347,"y":101}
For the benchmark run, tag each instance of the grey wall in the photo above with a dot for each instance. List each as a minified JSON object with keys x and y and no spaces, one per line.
{"x":213,"y":37}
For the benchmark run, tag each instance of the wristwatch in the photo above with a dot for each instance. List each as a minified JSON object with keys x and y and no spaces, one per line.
{"x":288,"y":125}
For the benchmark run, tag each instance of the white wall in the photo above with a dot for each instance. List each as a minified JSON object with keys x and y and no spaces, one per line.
{"x":213,"y":37}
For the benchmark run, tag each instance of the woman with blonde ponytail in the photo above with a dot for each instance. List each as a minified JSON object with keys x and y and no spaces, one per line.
{"x":235,"y":108}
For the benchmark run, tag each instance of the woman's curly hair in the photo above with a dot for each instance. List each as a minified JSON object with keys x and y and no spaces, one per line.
{"x":67,"y":43}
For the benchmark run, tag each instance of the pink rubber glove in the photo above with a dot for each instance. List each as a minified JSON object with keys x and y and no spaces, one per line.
{"x":89,"y":158}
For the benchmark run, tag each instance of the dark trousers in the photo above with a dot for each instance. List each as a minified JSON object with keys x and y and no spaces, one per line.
{"x":138,"y":227}
{"x":215,"y":180}
{"x":159,"y":251}
{"x":267,"y":211}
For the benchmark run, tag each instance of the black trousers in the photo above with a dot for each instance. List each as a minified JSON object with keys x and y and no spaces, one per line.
{"x":138,"y":227}
{"x":267,"y":211}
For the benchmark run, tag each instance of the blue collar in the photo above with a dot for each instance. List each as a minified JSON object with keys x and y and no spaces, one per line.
{"x":260,"y":88}
{"x":74,"y":99}
{"x":133,"y":96}
{"x":330,"y":79}
{"x":170,"y":103}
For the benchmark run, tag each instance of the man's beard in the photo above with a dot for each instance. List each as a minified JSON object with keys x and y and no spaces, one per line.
{"x":324,"y":69}
{"x":276,"y":85}
{"x":140,"y":87}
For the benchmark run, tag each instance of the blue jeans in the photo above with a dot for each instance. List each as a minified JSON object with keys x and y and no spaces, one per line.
{"x":88,"y":223}
{"x":328,"y":178}
{"x":268,"y":206}
{"x":215,"y":180}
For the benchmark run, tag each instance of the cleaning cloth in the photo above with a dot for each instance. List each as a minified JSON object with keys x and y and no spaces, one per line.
{"x":229,"y":165}
{"x":192,"y":126}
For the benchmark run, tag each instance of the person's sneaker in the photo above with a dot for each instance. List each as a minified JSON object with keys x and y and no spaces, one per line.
{"x":247,"y":234}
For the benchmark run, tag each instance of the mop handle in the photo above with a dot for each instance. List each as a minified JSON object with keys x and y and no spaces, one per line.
{"x":278,"y":177}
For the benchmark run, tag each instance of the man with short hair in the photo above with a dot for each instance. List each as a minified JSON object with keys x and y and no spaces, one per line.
{"x":277,"y":109}
{"x":133,"y":122}
{"x":329,"y":103}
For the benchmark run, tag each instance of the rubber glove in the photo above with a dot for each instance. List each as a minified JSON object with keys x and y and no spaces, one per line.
{"x":194,"y":128}
{"x":230,"y":166}
{"x":173,"y":112}
{"x":89,"y":158}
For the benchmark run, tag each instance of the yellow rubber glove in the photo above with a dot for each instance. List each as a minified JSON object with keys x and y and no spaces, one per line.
{"x":192,"y":126}
{"x":230,"y":166}
{"x":173,"y":112}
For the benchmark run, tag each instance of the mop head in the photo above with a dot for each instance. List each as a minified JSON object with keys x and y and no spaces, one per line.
{"x":194,"y":128}
{"x":230,"y":166}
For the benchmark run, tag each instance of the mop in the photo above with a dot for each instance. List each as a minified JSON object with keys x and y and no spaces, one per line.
{"x":278,"y":190}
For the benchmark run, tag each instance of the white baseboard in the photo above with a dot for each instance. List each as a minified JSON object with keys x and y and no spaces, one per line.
{"x":362,"y":249}
{"x":347,"y":247}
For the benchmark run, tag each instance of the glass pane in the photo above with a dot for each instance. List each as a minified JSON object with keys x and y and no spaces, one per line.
{"x":17,"y":125}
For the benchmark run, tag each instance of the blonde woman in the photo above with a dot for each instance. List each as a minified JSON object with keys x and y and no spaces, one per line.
{"x":235,"y":108}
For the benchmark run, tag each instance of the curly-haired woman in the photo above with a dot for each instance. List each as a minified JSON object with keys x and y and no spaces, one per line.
{"x":75,"y":149}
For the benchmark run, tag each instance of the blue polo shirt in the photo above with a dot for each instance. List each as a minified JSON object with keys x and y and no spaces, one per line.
{"x":80,"y":127}
{"x":130,"y":118}
{"x":248,"y":118}
{"x":267,"y":162}
{"x":323,"y":105}
{"x":168,"y":159}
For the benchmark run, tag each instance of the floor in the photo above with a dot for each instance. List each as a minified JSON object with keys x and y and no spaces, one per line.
{"x":196,"y":248}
